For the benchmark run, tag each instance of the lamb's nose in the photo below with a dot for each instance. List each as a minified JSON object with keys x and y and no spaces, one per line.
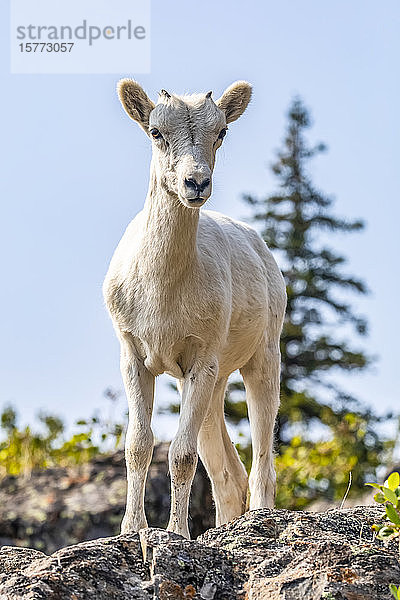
{"x":197,"y":187}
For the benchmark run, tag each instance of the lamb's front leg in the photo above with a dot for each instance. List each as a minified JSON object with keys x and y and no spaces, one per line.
{"x":197,"y":390}
{"x":139,"y":386}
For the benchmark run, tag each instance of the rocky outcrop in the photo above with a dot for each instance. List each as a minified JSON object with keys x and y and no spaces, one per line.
{"x":263,"y":555}
{"x":57,"y":507}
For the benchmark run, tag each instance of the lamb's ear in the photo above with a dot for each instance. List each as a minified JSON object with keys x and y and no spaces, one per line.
{"x":135,"y":101}
{"x":234,"y":100}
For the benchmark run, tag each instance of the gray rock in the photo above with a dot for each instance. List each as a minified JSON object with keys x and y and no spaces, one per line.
{"x":264,"y":555}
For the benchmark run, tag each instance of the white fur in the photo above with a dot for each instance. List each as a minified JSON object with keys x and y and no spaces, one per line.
{"x":197,"y":295}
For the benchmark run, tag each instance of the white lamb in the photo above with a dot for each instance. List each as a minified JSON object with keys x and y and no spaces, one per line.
{"x":197,"y":295}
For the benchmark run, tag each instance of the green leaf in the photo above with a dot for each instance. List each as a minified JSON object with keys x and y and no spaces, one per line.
{"x":385,"y":532}
{"x":392,"y":514}
{"x":375,"y":485}
{"x":390,"y":495}
{"x":380,"y":498}
{"x":393,"y":481}
{"x":394,"y":590}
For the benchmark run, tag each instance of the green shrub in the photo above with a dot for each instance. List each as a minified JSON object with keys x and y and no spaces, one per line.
{"x":23,"y":450}
{"x":389,"y":496}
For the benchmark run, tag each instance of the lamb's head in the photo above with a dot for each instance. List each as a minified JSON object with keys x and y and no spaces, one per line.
{"x":186,"y":132}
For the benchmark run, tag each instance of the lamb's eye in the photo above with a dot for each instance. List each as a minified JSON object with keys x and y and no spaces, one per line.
{"x":155,"y":133}
{"x":222,"y":133}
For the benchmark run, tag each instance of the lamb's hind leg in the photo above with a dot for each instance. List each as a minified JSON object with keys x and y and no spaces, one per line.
{"x":220,"y":458}
{"x":261,"y":379}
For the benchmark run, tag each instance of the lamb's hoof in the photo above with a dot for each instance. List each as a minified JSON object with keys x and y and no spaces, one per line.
{"x":132,"y":526}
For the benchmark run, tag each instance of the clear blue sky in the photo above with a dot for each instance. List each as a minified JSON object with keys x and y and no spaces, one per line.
{"x":74,"y":171}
